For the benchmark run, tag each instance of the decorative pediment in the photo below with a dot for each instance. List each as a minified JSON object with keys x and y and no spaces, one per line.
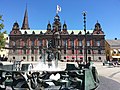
{"x":98,"y":32}
{"x":15,"y":32}
{"x":98,"y":29}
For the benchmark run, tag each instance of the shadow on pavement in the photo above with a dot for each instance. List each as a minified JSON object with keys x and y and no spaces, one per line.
{"x":108,"y":84}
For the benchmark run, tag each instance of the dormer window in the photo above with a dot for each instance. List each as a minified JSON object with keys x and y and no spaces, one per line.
{"x":72,"y":32}
{"x":41,"y":32}
{"x":25,"y":32}
{"x":80,"y":32}
{"x":88,"y":32}
{"x":114,"y":51}
{"x":33,"y":32}
{"x":119,"y":51}
{"x":49,"y":26}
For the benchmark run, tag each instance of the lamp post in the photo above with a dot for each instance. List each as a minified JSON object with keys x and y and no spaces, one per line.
{"x":85,"y":45}
{"x":44,"y":55}
{"x":57,"y":48}
{"x":92,"y":49}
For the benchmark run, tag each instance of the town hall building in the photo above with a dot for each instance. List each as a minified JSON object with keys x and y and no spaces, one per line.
{"x":66,"y":45}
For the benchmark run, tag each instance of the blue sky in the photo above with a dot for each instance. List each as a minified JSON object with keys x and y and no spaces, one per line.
{"x":41,"y":11}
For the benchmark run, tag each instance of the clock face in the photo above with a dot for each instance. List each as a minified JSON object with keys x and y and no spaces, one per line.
{"x":15,"y":32}
{"x":98,"y":32}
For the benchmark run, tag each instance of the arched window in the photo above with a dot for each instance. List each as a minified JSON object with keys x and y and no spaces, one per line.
{"x":24,"y":57}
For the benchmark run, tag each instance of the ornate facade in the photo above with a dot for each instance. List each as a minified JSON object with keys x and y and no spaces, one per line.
{"x":68,"y":45}
{"x":113,"y":50}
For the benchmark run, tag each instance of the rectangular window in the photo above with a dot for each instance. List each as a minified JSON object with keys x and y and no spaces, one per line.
{"x":80,"y":43}
{"x":24,"y":51}
{"x":40,"y":43}
{"x":14,"y":50}
{"x":32,"y":43}
{"x":50,"y":43}
{"x":32,"y":51}
{"x":65,"y":43}
{"x":72,"y":51}
{"x":25,"y":45}
{"x":81,"y":52}
{"x":47,"y":41}
{"x":89,"y":52}
{"x":98,"y":43}
{"x":40,"y":51}
{"x":88,"y":43}
{"x":99,"y":51}
{"x":14,"y":43}
{"x":72,"y":43}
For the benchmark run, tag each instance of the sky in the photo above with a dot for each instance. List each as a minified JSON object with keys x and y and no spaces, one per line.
{"x":41,"y":11}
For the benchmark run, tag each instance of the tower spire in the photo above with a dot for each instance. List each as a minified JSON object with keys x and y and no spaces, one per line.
{"x":25,"y":24}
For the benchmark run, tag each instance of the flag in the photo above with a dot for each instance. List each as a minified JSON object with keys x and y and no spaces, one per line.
{"x":58,"y":9}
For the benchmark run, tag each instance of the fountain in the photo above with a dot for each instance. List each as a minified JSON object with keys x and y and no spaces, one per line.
{"x":46,"y":65}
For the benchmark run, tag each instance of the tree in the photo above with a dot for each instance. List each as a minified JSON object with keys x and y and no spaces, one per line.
{"x":2,"y":39}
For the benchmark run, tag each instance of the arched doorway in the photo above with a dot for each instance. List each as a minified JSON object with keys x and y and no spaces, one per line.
{"x":32,"y":58}
{"x":89,"y":58}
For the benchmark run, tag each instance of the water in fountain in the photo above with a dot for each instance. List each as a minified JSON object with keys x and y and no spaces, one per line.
{"x":41,"y":66}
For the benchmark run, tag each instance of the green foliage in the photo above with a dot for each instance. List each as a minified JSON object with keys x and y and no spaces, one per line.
{"x":2,"y":39}
{"x":1,"y":23}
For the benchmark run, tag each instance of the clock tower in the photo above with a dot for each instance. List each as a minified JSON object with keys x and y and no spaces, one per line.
{"x":57,"y":24}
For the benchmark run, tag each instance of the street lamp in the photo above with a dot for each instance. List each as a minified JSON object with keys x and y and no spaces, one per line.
{"x":57,"y":50}
{"x":44,"y":55}
{"x":85,"y":48}
{"x":92,"y":49}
